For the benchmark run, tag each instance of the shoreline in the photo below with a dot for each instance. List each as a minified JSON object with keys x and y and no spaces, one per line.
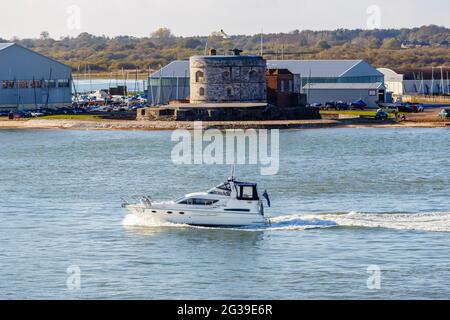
{"x":68,"y":124}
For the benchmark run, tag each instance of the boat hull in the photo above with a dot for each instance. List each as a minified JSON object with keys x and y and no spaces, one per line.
{"x":199,"y":217}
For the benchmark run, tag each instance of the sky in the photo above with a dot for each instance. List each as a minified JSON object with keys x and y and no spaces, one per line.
{"x":27,"y":18}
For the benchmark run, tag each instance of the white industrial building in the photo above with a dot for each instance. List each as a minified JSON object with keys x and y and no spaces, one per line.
{"x":370,"y":93}
{"x":393,"y":81}
{"x":29,"y":80}
{"x":172,"y":81}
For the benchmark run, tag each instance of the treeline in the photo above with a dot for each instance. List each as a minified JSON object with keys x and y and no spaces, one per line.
{"x":399,"y":49}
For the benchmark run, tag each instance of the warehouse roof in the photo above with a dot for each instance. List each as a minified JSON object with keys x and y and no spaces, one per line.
{"x":11,"y":44}
{"x":326,"y":68}
{"x":227,"y":57}
{"x":391,"y":75}
{"x":344,"y":86}
{"x":175,"y":69}
{"x":5,"y":45}
{"x":306,"y":68}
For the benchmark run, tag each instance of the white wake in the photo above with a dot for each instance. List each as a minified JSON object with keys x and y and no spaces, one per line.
{"x":132,"y":220}
{"x":292,"y":222}
{"x":432,"y":222}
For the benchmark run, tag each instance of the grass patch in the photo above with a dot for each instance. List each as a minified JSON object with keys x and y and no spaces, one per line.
{"x":364,"y":114}
{"x":350,"y":112}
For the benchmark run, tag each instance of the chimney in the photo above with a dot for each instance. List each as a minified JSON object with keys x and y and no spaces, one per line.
{"x":236,"y":52}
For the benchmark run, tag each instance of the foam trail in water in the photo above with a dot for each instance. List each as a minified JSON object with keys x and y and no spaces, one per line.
{"x":132,"y":220}
{"x":298,"y":222}
{"x":435,"y":222}
{"x":292,"y":222}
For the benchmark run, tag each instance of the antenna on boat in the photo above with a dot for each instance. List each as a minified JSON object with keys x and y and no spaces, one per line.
{"x":233,"y":172}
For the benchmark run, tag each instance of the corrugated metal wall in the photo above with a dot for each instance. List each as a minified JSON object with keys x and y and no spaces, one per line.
{"x":19,"y":67}
{"x":348,"y":95}
{"x":163,"y":90}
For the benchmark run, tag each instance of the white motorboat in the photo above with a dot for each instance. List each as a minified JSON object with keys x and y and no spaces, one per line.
{"x":231,"y":204}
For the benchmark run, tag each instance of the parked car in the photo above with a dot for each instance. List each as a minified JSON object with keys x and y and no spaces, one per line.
{"x":445,"y":113}
{"x":37,"y":113}
{"x":340,"y":105}
{"x":63,"y":110}
{"x":137,"y":106}
{"x":76,"y":111}
{"x":388,"y":107}
{"x":22,"y":114}
{"x":405,"y":109}
{"x":48,"y":111}
{"x":381,"y":115}
{"x":330,"y":105}
{"x":417,"y":108}
{"x":316,"y":105}
{"x":106,"y":109}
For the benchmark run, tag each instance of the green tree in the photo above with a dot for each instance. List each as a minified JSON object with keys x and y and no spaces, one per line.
{"x":323,"y":44}
{"x":162,"y":33}
{"x":45,"y":35}
{"x":192,"y":43}
{"x":391,"y":44}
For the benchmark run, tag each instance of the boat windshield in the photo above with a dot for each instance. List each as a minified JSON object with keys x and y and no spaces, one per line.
{"x":223,"y":189}
{"x":179,"y":200}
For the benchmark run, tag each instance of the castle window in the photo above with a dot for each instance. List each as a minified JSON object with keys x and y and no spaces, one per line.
{"x":201,"y":92}
{"x":199,"y":76}
{"x":229,"y":91}
{"x":253,"y":75}
{"x":226,"y":74}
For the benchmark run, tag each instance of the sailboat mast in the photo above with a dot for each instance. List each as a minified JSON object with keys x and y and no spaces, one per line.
{"x":135,"y":80}
{"x":262,"y":40}
{"x":48,"y":87}
{"x":90,"y":78}
{"x":432,"y":81}
{"x":34,"y":92}
{"x":448,"y":85}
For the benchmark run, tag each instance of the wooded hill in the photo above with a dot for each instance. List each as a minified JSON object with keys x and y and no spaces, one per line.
{"x":403,"y":50}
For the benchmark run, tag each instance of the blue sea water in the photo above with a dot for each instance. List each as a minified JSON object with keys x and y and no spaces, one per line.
{"x":86,"y":85}
{"x":343,"y":200}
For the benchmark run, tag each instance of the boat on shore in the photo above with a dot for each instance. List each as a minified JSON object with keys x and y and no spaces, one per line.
{"x":230,"y":204}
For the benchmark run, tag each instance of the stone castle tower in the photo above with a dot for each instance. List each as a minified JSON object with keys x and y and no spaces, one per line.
{"x":233,"y":78}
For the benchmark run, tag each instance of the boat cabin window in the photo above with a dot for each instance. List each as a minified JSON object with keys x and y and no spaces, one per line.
{"x":223,"y":189}
{"x":247,"y":192}
{"x":198,"y":202}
